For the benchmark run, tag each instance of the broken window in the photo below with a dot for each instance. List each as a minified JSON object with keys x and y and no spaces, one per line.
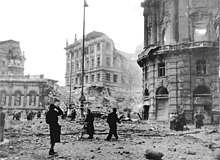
{"x":98,"y":62}
{"x":86,"y":51}
{"x":87,"y":63}
{"x":201,"y":67}
{"x":115,"y":78}
{"x":77,"y":65}
{"x":98,"y":77}
{"x":93,"y":63}
{"x":145,"y":73}
{"x":87,"y":79}
{"x":161,"y":69}
{"x":108,"y":77}
{"x":92,"y":78}
{"x":91,"y":49}
{"x":98,"y":47}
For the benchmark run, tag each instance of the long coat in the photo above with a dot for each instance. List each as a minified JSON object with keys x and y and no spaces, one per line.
{"x":89,"y":121}
{"x":52,"y":120}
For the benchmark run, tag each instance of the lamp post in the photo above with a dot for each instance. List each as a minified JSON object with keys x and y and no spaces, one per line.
{"x":70,"y":77}
{"x":82,"y":97}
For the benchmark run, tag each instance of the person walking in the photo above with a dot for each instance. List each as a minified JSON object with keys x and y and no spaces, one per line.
{"x":55,"y":128}
{"x":89,"y":124}
{"x":2,"y":124}
{"x":199,"y":120}
{"x":112,"y":121}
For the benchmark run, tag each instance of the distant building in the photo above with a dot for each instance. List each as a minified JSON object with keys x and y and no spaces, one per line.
{"x":180,"y":58}
{"x":16,"y":90}
{"x":105,"y":66}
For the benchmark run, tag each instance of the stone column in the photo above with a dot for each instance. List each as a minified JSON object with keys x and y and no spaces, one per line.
{"x":22,"y":101}
{"x":7,"y":101}
{"x":146,"y":27}
{"x":174,"y":20}
{"x":37,"y":101}
{"x":28,"y":100}
{"x":13,"y":101}
{"x":154,"y":25}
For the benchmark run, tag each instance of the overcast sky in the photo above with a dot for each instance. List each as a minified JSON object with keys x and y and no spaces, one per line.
{"x":42,"y":27}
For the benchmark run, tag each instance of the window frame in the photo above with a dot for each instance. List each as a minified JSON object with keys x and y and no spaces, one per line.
{"x":161,"y":69}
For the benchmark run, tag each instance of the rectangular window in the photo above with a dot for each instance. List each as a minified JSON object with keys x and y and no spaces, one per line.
{"x":98,"y":62}
{"x":108,"y":61}
{"x":115,"y":78}
{"x":108,"y":77}
{"x":145,"y":73}
{"x":87,"y":79}
{"x":98,"y":47}
{"x":92,"y":78}
{"x":91,"y":49}
{"x":161,"y":69}
{"x":86,"y":50}
{"x":77,"y":65}
{"x":93,"y":63}
{"x":76,"y":80}
{"x":201,"y":67}
{"x":87,"y":64}
{"x":98,"y":77}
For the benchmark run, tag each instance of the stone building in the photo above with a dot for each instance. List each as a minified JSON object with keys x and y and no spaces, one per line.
{"x":104,"y":67}
{"x":18,"y":91}
{"x":180,"y":58}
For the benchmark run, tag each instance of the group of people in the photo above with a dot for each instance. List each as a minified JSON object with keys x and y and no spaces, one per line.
{"x":55,"y":128}
{"x":29,"y":115}
{"x":177,"y":121}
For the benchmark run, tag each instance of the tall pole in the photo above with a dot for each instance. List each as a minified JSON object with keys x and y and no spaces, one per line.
{"x":82,"y":98}
{"x":70,"y":77}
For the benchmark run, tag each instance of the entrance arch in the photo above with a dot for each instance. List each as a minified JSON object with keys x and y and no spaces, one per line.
{"x":202,"y":102}
{"x":162,"y":104}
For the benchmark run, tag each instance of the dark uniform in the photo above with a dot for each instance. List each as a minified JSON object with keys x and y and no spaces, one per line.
{"x":52,"y":120}
{"x":89,"y":124}
{"x":112,"y":121}
{"x":199,"y":120}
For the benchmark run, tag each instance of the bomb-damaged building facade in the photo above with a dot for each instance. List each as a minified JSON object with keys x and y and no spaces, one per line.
{"x":180,"y":58}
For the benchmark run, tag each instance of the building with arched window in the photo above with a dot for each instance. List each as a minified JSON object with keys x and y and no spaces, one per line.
{"x":180,"y":58}
{"x":17,"y":91}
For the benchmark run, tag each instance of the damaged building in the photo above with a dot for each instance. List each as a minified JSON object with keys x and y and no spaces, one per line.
{"x":180,"y":58}
{"x":17,"y":91}
{"x":105,"y":68}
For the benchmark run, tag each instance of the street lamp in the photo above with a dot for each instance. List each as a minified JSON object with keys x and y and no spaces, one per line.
{"x":82,"y":98}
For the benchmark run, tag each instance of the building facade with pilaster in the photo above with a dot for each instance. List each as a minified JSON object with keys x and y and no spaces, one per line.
{"x":17,"y":91}
{"x":180,"y":58}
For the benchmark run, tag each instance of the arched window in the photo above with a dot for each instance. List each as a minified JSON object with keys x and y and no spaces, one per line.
{"x":162,"y":92}
{"x":33,"y":95}
{"x":201,"y":90}
{"x":146,"y":93}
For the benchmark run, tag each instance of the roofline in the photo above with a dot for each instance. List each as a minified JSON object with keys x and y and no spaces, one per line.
{"x":9,"y":41}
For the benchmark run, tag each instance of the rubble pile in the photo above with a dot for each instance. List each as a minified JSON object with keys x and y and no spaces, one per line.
{"x":30,"y":140}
